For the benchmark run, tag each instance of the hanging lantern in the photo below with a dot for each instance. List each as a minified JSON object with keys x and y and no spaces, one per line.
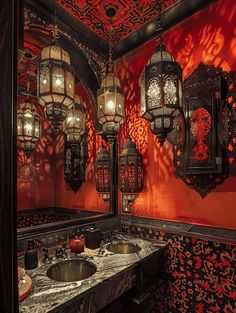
{"x":75,"y":122}
{"x":55,"y":82}
{"x":130,"y":172}
{"x":28,"y":127}
{"x":103,"y":173}
{"x":161,"y":92}
{"x":110,"y":99}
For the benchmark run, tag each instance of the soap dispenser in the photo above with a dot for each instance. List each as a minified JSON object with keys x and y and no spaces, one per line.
{"x":31,"y":256}
{"x":93,"y":237}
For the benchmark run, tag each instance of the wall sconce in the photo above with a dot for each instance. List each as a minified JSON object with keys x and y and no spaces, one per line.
{"x":75,"y":147}
{"x":28,"y":127}
{"x":103,"y":173}
{"x":202,"y":159}
{"x":55,"y":82}
{"x":130,"y":173}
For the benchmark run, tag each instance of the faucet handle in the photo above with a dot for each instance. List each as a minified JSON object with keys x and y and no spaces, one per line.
{"x":46,"y":254}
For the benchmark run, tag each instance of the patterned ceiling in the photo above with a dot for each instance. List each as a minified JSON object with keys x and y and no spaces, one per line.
{"x":128,"y":16}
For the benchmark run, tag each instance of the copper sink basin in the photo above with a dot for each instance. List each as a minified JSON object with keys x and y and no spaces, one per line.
{"x":71,"y":270}
{"x":123,"y":248}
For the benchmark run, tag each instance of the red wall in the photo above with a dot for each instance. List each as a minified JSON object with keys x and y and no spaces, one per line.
{"x":86,"y":197}
{"x":209,"y":37}
{"x":45,"y":185}
{"x":35,"y":176}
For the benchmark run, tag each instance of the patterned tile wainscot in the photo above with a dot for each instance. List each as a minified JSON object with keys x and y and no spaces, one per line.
{"x":199,"y":275}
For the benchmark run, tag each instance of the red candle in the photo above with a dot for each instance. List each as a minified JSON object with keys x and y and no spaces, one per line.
{"x":77,"y":245}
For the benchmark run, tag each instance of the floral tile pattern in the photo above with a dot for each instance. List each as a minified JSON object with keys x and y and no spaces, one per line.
{"x":201,"y":274}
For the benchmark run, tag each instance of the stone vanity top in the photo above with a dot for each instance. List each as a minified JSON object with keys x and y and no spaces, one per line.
{"x":48,"y":295}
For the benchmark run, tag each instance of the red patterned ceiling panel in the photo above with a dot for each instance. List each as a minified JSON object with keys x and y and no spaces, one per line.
{"x":128,"y":15}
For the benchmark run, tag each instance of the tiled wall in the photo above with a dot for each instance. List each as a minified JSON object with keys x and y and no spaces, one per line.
{"x":199,"y":274}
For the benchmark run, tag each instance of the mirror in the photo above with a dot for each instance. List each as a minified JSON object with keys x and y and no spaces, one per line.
{"x":45,"y":199}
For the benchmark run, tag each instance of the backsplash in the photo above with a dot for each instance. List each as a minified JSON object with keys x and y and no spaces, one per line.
{"x":199,"y":274}
{"x":53,"y":239}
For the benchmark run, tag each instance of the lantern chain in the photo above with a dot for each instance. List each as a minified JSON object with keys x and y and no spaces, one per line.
{"x":55,"y":30}
{"x":159,"y":20}
{"x":28,"y":77}
{"x":110,"y":60}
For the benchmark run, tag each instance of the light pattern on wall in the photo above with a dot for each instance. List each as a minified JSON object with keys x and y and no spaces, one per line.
{"x":164,"y":196}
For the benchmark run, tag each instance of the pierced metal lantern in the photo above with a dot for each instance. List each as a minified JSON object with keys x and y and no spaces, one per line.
{"x":130,"y":169}
{"x":110,"y":100}
{"x":161,"y":92}
{"x":75,"y":121}
{"x":55,"y":83}
{"x":103,"y":173}
{"x":28,"y":127}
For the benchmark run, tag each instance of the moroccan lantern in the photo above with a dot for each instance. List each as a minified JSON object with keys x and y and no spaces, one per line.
{"x":161,"y":92}
{"x":103,"y":173}
{"x":130,"y":171}
{"x":28,"y":126}
{"x":110,"y":99}
{"x":75,"y":121}
{"x":56,"y":79}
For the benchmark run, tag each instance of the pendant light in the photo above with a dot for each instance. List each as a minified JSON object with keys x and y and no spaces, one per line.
{"x":103,"y":173}
{"x":56,"y":80}
{"x":110,"y":99}
{"x":130,"y":172}
{"x":28,"y":123}
{"x":75,"y":121}
{"x":161,"y":89}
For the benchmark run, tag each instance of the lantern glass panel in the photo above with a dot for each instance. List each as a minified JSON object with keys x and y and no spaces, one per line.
{"x":70,"y":84}
{"x":19,"y":125}
{"x":110,"y":103}
{"x":58,"y":80}
{"x":170,"y":91}
{"x":44,"y":80}
{"x":154,"y":93}
{"x":28,"y":124}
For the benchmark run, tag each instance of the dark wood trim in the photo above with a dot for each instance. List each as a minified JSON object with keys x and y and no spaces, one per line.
{"x":69,"y":23}
{"x":210,"y":233}
{"x":8,"y":65}
{"x":170,"y":18}
{"x":40,"y":230}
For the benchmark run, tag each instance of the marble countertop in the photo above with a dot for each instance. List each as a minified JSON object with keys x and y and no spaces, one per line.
{"x":48,"y":295}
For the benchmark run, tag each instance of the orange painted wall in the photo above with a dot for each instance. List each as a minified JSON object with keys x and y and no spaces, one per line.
{"x":210,"y":37}
{"x":35,"y":176}
{"x":41,"y":178}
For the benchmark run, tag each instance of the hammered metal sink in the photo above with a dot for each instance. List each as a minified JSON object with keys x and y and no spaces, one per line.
{"x":71,"y":270}
{"x":123,"y":248}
